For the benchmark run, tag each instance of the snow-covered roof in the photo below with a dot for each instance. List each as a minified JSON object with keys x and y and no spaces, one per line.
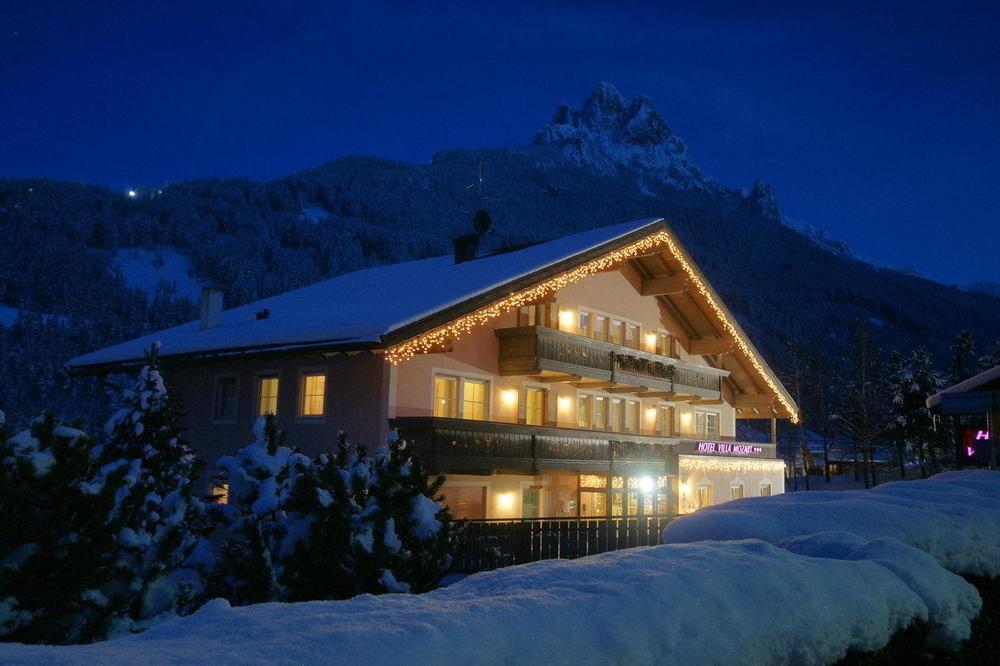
{"x":363,"y":307}
{"x":970,"y":384}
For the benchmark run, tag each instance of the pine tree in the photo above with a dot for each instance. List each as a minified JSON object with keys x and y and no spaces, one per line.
{"x":863,"y":410}
{"x":913,"y":430}
{"x":146,"y":478}
{"x":963,"y":358}
{"x":52,"y":543}
{"x":262,"y":479}
{"x":991,"y":358}
{"x":413,"y":535}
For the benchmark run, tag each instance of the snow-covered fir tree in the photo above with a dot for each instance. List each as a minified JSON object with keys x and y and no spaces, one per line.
{"x":261,"y":478}
{"x":991,"y":358}
{"x":911,"y":380}
{"x":412,"y":533}
{"x":963,"y":358}
{"x":51,"y":546}
{"x":145,"y":479}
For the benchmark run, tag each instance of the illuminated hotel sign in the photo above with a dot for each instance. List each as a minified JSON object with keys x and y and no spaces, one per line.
{"x":972,"y":437}
{"x":727,"y":449}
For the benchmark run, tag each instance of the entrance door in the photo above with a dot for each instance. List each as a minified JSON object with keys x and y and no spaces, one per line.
{"x":531,"y":503}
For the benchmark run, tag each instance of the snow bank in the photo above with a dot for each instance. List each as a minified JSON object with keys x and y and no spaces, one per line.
{"x":696,"y":603}
{"x":954,"y":517}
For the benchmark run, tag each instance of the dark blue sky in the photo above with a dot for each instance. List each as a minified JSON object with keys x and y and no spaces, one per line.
{"x":881,"y":125}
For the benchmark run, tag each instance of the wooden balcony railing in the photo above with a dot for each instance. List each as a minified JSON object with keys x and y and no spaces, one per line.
{"x":455,"y":445}
{"x":533,"y":349}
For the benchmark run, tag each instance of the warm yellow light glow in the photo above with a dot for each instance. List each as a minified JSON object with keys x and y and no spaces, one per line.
{"x":509,"y":397}
{"x":505,"y":501}
{"x":651,"y":341}
{"x":685,"y":488}
{"x":651,"y":414}
{"x":646,"y":485}
{"x":567,"y":321}
{"x":728,"y":465}
{"x":686,"y":418}
{"x":564,"y":402}
{"x":438,"y":338}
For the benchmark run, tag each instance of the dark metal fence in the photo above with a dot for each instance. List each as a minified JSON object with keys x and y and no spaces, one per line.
{"x":492,"y":544}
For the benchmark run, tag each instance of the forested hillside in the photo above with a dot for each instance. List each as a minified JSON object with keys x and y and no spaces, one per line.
{"x":61,"y":245}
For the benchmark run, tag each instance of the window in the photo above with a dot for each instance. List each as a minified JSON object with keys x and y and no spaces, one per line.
{"x":632,"y":336}
{"x":600,"y":412}
{"x":617,"y":332}
{"x":765,"y":490}
{"x":704,"y":496}
{"x":583,"y":411}
{"x":663,"y":347}
{"x":534,"y":406}
{"x":527,"y":315}
{"x":313,"y":394}
{"x":584,"y":323}
{"x":474,"y":399}
{"x":446,"y":397}
{"x":706,"y":424}
{"x":615,"y":417}
{"x":465,"y":501}
{"x":632,"y":416}
{"x":666,"y":422}
{"x":220,"y":492}
{"x":267,"y":390}
{"x":600,"y":327}
{"x":736,"y":491}
{"x":225,"y":398}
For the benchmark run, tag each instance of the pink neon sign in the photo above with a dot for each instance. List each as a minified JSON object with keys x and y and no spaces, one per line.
{"x":728,"y":449}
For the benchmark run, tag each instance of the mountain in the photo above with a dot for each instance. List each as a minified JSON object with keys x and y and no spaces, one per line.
{"x":989,"y":288}
{"x":110,"y":266}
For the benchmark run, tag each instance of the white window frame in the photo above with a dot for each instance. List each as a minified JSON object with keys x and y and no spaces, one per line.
{"x":462,"y":377}
{"x":225,"y":420}
{"x":737,"y":483}
{"x":258,"y":376}
{"x":608,"y":317}
{"x":760,"y":487}
{"x":301,"y":415}
{"x":718,"y":423}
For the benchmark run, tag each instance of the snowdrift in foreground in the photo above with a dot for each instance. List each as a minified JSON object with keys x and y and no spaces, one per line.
{"x":743,"y":602}
{"x":954,"y":517}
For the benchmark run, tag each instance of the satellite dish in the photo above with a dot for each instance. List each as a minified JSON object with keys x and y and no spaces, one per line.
{"x":481,"y":221}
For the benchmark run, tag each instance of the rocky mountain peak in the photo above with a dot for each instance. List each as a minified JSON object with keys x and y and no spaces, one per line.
{"x":613,"y":136}
{"x":763,"y":201}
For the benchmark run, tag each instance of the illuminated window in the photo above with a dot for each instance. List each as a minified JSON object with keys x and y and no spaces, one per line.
{"x":220,"y":492}
{"x":584,"y":323}
{"x":600,"y":327}
{"x":663,"y":344}
{"x":313,"y":394}
{"x":465,"y":501}
{"x":666,"y":421}
{"x":534,"y":406}
{"x":600,"y":412}
{"x":736,"y":491}
{"x":593,"y":481}
{"x":267,"y":389}
{"x":583,"y":411}
{"x":474,"y":399}
{"x":704,"y":496}
{"x":765,"y":490}
{"x":593,"y":504}
{"x":225,"y":398}
{"x":632,"y":336}
{"x":446,"y":397}
{"x":615,"y":416}
{"x":632,"y":416}
{"x":706,"y":424}
{"x":617,"y":332}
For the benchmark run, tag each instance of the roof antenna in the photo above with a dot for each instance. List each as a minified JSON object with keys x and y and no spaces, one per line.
{"x":467,"y":245}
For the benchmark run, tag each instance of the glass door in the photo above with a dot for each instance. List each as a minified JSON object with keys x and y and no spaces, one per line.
{"x":531,"y":502}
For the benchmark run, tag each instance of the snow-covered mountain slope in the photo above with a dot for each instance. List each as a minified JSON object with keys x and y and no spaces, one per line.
{"x":610,"y":136}
{"x":989,"y":288}
{"x":821,"y":238}
{"x":148,"y":270}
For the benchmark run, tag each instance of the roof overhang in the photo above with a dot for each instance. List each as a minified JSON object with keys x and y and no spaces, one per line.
{"x":655,"y":262}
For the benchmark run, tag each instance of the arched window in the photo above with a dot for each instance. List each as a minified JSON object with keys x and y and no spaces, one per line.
{"x":704,"y":493}
{"x":737,"y":489}
{"x":765,"y":487}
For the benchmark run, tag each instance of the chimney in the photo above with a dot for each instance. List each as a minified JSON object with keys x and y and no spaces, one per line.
{"x":466,"y":247}
{"x":211,"y":305}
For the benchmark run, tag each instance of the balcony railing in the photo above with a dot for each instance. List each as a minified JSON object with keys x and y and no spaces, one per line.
{"x":533,"y":349}
{"x":455,"y":445}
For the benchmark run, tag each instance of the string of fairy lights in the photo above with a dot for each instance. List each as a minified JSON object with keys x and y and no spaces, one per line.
{"x":440,"y":337}
{"x":728,"y":465}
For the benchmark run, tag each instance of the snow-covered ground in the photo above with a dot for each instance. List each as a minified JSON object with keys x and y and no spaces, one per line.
{"x":8,"y":315}
{"x":806,"y":598}
{"x":146,"y":269}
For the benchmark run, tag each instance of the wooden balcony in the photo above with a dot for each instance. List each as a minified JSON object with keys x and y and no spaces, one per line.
{"x":528,"y":350}
{"x":460,"y":445}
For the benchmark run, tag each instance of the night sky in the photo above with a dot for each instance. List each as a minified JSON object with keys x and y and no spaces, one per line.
{"x":882,"y":126}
